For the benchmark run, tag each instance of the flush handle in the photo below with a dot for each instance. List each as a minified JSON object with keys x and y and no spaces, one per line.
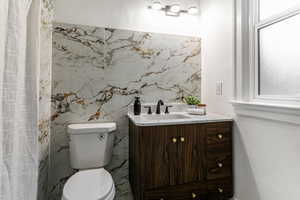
{"x":101,"y":137}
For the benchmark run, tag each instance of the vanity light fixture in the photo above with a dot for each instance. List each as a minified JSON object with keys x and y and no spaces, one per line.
{"x":173,"y":10}
{"x":156,"y":6}
{"x":193,"y":10}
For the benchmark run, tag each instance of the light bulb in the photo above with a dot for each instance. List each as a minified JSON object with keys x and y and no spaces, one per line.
{"x":193,"y":10}
{"x":175,"y":8}
{"x":156,"y":6}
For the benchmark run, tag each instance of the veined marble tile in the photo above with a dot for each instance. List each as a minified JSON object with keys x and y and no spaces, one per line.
{"x":96,"y":74}
{"x":45,"y":96}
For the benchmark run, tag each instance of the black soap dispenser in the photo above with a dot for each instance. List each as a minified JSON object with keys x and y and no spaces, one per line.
{"x":137,"y":107}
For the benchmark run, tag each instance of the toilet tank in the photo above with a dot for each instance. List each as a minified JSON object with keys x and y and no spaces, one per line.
{"x":91,"y":145}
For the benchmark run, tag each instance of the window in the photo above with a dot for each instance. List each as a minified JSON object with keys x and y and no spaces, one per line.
{"x":276,"y":43}
{"x":269,"y":8}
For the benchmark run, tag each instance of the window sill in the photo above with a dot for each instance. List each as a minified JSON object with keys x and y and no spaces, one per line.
{"x":275,"y":112}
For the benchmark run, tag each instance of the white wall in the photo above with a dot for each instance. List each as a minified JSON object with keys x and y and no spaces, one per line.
{"x":266,"y":153}
{"x":217,"y":23}
{"x":127,"y":14}
{"x":271,"y":152}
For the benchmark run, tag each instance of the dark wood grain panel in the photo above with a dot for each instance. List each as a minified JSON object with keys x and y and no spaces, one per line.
{"x":218,"y":136}
{"x":176,"y":195}
{"x":222,"y":188}
{"x":214,"y":196}
{"x":190,"y":154}
{"x":134,"y":164}
{"x":193,"y":191}
{"x":219,"y":165}
{"x":160,"y":156}
{"x":160,"y":168}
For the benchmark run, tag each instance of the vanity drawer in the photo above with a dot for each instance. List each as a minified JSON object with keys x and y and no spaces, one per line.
{"x":218,"y":136}
{"x":220,"y":188}
{"x":182,"y":196}
{"x":219,"y":165}
{"x":183,"y":192}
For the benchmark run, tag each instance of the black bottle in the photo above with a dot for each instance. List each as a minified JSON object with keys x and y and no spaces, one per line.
{"x":137,"y":107}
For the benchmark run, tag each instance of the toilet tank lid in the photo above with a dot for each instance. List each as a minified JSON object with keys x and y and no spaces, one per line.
{"x":92,"y":128}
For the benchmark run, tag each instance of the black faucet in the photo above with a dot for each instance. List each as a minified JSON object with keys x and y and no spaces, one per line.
{"x":159,"y":103}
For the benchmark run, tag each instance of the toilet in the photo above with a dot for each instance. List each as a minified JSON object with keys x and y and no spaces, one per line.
{"x":91,"y":148}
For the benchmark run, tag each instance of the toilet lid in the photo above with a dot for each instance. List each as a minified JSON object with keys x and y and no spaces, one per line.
{"x":95,"y":184}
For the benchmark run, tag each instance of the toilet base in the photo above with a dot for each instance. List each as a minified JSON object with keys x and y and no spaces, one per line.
{"x":84,"y":185}
{"x":111,"y":196}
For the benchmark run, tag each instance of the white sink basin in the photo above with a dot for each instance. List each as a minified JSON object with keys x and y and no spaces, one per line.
{"x":168,"y":117}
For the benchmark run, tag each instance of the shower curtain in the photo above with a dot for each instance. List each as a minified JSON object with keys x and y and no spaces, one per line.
{"x":19,"y":60}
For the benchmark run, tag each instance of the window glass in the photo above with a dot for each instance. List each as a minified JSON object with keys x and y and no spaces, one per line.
{"x":279,"y":58}
{"x":274,"y":7}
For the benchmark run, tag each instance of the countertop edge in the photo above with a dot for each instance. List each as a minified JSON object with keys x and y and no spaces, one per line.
{"x":185,"y":122}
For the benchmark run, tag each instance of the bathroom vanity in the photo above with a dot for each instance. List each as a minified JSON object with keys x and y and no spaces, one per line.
{"x":181,"y":159}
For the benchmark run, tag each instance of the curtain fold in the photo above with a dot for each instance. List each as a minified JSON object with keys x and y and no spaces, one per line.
{"x":19,"y":62}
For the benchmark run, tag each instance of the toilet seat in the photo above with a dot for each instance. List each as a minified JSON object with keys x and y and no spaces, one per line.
{"x":94,"y":184}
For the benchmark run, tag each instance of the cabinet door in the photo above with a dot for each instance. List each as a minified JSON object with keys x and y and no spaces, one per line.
{"x":159,"y":156}
{"x":191,"y":150}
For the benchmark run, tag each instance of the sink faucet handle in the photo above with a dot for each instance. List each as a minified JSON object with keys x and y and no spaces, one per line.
{"x":161,"y":102}
{"x":167,"y":109}
{"x":149,"y":109}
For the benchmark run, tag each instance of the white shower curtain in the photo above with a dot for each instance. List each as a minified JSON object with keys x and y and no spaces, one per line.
{"x":19,"y":43}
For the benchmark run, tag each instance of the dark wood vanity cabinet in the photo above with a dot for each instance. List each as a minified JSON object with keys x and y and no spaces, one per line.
{"x":180,"y":162}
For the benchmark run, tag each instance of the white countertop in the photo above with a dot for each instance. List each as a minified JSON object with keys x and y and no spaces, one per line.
{"x":140,"y":120}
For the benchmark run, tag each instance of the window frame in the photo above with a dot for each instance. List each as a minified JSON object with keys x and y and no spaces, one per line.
{"x":245,"y":103}
{"x":255,"y":24}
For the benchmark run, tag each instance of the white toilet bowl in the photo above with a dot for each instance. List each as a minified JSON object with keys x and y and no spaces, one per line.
{"x":91,"y":148}
{"x":93,"y":184}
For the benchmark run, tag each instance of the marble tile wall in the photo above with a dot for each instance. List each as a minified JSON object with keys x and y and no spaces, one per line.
{"x":97,"y":72}
{"x":45,"y":96}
